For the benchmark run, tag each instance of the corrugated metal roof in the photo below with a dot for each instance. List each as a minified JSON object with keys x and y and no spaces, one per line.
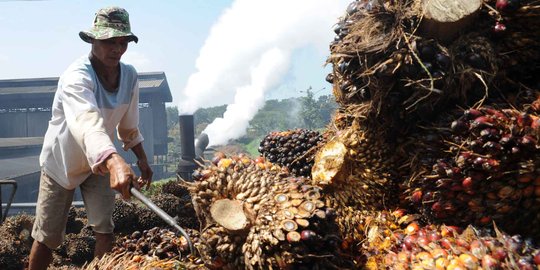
{"x":150,"y":83}
{"x":21,"y":142}
{"x":27,"y":90}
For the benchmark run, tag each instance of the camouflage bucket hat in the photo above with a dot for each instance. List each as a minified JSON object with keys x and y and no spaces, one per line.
{"x":109,"y":22}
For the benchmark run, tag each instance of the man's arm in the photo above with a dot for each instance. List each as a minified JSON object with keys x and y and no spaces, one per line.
{"x":142,"y":163}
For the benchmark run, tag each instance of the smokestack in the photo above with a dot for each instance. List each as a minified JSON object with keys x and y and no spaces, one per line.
{"x":189,"y":149}
{"x":187,"y":136}
{"x":186,"y":165}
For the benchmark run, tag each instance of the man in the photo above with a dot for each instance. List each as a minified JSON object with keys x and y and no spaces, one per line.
{"x":97,"y":96}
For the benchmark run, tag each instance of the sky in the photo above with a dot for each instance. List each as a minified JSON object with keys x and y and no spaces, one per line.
{"x":213,"y":52}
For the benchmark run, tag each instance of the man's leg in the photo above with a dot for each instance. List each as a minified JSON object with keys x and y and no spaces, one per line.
{"x":50,"y":224}
{"x":99,"y":203}
{"x":40,"y":256}
{"x":104,"y":242}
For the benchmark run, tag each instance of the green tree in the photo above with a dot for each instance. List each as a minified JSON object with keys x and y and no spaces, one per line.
{"x":172,"y":116}
{"x":309,"y":112}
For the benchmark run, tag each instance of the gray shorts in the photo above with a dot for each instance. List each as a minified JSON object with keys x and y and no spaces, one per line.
{"x":54,"y":202}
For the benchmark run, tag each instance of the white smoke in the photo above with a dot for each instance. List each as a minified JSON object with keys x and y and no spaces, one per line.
{"x":248,"y":53}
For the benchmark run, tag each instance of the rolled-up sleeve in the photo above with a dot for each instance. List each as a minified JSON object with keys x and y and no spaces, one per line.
{"x":128,"y":128}
{"x":84,"y":119}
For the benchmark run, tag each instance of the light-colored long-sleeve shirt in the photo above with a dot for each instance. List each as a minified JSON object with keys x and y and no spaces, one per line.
{"x":84,"y":119}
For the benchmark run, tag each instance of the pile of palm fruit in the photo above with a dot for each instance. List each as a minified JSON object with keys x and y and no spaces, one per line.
{"x":431,"y":160}
{"x":129,"y":217}
{"x":292,"y":149}
{"x":254,"y":214}
{"x":15,"y":241}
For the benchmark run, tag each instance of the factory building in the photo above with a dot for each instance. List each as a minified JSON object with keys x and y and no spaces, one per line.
{"x":25,"y":109}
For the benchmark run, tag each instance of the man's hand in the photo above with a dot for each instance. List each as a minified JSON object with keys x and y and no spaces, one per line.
{"x":121,"y":175}
{"x":146,"y":173}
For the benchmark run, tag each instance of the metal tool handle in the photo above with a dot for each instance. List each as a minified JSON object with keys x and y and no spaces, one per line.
{"x":163,"y":215}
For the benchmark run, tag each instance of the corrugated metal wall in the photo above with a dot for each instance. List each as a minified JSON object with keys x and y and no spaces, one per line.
{"x":23,"y":124}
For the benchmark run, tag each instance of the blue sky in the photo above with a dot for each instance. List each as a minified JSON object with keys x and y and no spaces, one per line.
{"x":40,"y":39}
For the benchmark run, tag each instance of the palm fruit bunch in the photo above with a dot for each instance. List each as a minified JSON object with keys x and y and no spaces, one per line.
{"x":516,"y":30}
{"x":160,"y":242}
{"x":409,"y":60}
{"x":124,"y":216}
{"x":186,"y":216}
{"x":175,"y":188}
{"x":448,"y":247}
{"x":355,"y":169}
{"x":15,"y":241}
{"x":74,"y":224}
{"x":491,"y":172}
{"x":78,"y":248}
{"x":292,"y":149}
{"x":255,"y":215}
{"x":147,"y":219}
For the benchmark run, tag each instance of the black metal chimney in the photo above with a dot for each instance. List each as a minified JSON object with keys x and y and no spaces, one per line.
{"x":189,"y":150}
{"x":187,"y":137}
{"x":186,"y":165}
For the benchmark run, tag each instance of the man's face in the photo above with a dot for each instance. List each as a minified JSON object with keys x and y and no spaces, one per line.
{"x":109,"y":51}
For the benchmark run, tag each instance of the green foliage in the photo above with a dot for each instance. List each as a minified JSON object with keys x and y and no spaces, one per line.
{"x":253,"y":147}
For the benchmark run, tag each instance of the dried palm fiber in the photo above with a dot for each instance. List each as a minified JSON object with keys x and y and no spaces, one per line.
{"x":124,"y":216}
{"x":382,"y":57}
{"x":254,"y":215}
{"x":15,"y":241}
{"x":487,"y":169}
{"x":127,"y":261}
{"x":447,"y":247}
{"x":292,"y":149}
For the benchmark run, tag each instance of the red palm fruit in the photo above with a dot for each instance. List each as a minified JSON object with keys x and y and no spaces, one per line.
{"x":536,"y":258}
{"x":482,"y":122}
{"x":472,"y":114}
{"x":524,"y":120}
{"x":467,"y":183}
{"x":433,"y":236}
{"x":485,"y":220}
{"x":499,"y":253}
{"x":416,"y":197}
{"x":499,"y":27}
{"x":423,"y":241}
{"x":489,"y":262}
{"x":446,"y":243}
{"x":462,"y":243}
{"x":412,"y":228}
